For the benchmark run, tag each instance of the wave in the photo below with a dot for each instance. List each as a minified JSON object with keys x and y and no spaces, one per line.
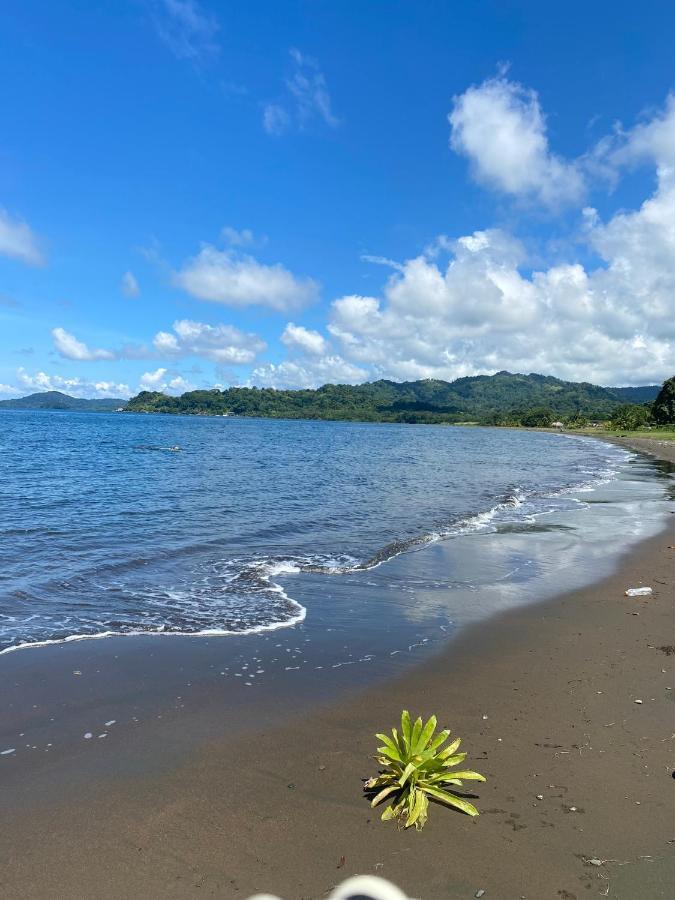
{"x":162,"y":631}
{"x":184,"y":612}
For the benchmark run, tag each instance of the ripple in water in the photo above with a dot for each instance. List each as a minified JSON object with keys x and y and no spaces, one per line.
{"x":106,"y":531}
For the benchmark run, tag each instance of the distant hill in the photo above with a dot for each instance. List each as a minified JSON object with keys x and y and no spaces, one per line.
{"x":645,"y":394}
{"x":57,"y":400}
{"x":484,"y":398}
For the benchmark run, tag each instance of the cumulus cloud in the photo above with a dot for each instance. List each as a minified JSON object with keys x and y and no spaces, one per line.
{"x":223,"y":276}
{"x":479,"y":303}
{"x":130,"y":286}
{"x":164,"y":381}
{"x":297,"y":337}
{"x":223,"y":344}
{"x":18,"y":241}
{"x":76,"y":387}
{"x":480,"y":311}
{"x":186,"y":28}
{"x":500,"y":127}
{"x":308,"y":373}
{"x":307,"y":98}
{"x":68,"y":345}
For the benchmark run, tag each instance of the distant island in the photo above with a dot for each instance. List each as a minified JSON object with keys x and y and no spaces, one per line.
{"x":57,"y":400}
{"x":501,"y":399}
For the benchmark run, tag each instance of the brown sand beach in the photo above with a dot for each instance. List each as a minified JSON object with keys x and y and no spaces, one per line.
{"x":568,"y":708}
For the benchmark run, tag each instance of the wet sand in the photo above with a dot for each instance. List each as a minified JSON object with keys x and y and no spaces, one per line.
{"x":652,"y":446}
{"x":544,"y":698}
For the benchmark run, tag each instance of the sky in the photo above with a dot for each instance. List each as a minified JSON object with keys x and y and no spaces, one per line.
{"x":199,"y":193}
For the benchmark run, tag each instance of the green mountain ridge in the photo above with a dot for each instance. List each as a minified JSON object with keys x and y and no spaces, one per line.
{"x":482,"y":398}
{"x":55,"y":400}
{"x":644,"y":394}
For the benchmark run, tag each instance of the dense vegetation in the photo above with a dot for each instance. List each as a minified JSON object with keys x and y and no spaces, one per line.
{"x":57,"y":400}
{"x":664,"y":405}
{"x":498,"y":399}
{"x":644,"y":394}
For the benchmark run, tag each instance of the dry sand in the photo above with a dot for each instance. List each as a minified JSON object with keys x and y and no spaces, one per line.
{"x":545,"y":698}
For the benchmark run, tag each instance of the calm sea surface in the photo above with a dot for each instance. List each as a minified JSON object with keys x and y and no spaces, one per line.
{"x":134,"y":523}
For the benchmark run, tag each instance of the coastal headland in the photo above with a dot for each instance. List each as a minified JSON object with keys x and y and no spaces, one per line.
{"x":566,"y":706}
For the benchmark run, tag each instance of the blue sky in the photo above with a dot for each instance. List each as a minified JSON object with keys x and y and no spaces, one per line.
{"x":289,"y":193}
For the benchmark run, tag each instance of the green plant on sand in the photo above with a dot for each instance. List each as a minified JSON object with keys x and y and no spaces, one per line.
{"x":416,"y":769}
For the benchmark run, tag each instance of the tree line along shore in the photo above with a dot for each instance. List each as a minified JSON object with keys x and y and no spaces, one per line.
{"x":502,"y":399}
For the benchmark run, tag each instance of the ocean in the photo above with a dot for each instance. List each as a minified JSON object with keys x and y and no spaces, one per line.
{"x":139,"y":524}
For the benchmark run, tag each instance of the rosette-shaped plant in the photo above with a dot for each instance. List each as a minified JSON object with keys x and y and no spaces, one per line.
{"x":415,"y":769}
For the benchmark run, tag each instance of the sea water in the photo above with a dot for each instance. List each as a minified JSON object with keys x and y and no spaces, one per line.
{"x":138,"y":524}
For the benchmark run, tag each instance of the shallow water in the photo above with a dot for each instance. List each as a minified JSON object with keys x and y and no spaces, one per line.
{"x":121,"y":523}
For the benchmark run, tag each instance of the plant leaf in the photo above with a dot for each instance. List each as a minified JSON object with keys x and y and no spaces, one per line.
{"x":425,"y":736}
{"x":388,"y":814}
{"x":400,"y":742}
{"x":450,"y":749}
{"x":383,"y":793}
{"x":469,"y":776}
{"x":393,"y":755}
{"x":419,"y":809}
{"x":390,"y":745}
{"x":451,"y":800}
{"x":406,"y":728}
{"x":454,"y":760}
{"x":440,"y":738}
{"x":407,"y":772}
{"x":415,"y":736}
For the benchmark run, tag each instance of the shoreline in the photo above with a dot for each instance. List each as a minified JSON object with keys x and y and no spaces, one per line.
{"x":278,"y":806}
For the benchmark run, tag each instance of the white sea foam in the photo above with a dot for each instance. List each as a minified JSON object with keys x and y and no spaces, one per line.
{"x":521,"y":503}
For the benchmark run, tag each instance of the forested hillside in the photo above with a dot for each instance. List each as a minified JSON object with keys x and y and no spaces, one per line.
{"x":486,"y":398}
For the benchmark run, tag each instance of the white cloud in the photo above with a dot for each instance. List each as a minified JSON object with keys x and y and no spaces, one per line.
{"x":381,"y":261}
{"x":307,"y":98}
{"x":479,"y":304}
{"x":243,"y":238}
{"x":308,"y":85}
{"x":149,"y":381}
{"x":223,"y":344}
{"x":308,"y":373}
{"x":276,"y":119}
{"x":130,"y":286}
{"x":222,"y":276}
{"x":76,"y":387}
{"x":18,"y":241}
{"x":187,"y":29}
{"x":500,"y":127}
{"x":7,"y":389}
{"x":68,"y":345}
{"x":297,"y":337}
{"x":479,"y":313}
{"x":164,"y":381}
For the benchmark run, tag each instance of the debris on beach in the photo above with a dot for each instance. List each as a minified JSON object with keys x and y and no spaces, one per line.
{"x":639,"y":592}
